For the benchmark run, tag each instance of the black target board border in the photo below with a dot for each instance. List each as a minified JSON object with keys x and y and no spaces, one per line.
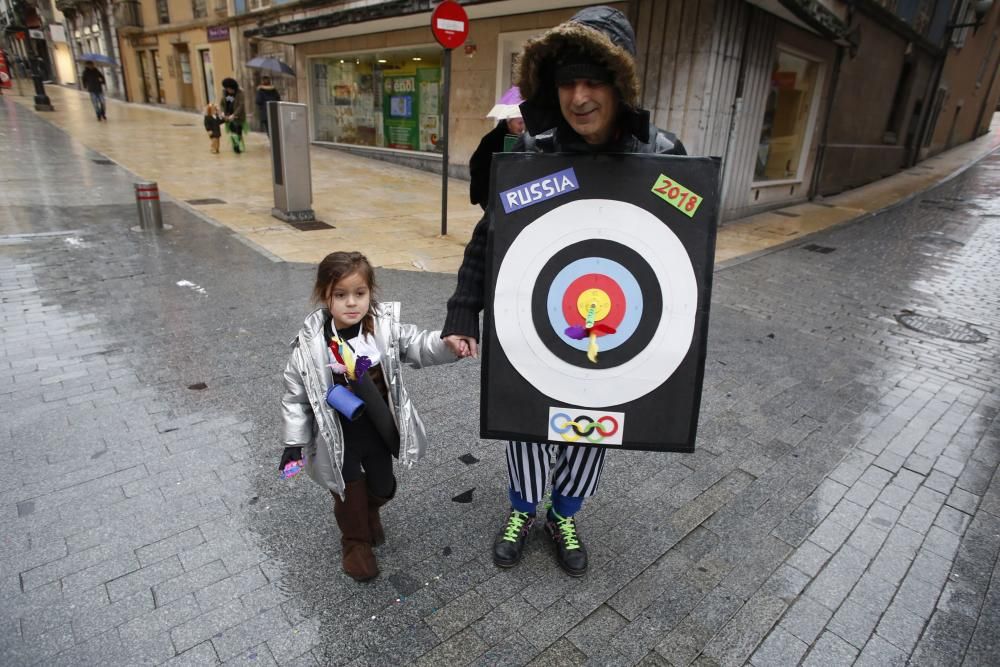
{"x":524,"y":188}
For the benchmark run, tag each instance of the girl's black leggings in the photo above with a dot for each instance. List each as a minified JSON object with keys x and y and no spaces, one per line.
{"x":370,"y":458}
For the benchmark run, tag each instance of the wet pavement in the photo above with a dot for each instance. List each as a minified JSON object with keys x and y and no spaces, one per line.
{"x":843,"y":504}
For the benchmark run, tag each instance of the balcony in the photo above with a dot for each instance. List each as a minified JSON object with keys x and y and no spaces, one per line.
{"x":128,"y":16}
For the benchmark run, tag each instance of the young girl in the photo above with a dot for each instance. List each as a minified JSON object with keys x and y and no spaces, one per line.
{"x":213,"y":125}
{"x":354,"y":343}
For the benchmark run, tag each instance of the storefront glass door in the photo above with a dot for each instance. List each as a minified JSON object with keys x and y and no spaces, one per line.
{"x":784,"y":133}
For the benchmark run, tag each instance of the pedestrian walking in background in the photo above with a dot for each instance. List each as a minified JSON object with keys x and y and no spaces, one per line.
{"x":234,"y":113}
{"x":581,"y":95}
{"x":93,"y":82}
{"x":501,"y":138}
{"x":265,"y":93}
{"x":213,"y":125}
{"x":352,"y":348}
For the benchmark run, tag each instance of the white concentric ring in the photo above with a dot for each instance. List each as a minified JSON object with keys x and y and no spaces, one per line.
{"x":581,"y":220}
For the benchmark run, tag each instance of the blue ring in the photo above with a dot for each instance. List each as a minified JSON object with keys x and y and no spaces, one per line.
{"x":615,"y":271}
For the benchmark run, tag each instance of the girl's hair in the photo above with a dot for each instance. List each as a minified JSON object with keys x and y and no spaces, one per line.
{"x":211,"y":109}
{"x":338,"y":265}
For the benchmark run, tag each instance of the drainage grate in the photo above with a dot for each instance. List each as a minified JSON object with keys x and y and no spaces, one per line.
{"x":102,"y":161}
{"x":310,"y":226}
{"x":940,"y":327}
{"x":821,"y":249}
{"x":787,"y":214}
{"x":204,"y":202}
{"x":183,"y":124}
{"x":939,"y":239}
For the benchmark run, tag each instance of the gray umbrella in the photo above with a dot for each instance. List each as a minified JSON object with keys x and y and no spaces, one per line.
{"x":272,"y":65}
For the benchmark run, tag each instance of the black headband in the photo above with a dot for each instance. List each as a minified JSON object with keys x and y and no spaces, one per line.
{"x":567,"y":73}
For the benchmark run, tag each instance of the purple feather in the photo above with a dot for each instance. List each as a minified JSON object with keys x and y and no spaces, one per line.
{"x":361,"y":366}
{"x":576,"y":332}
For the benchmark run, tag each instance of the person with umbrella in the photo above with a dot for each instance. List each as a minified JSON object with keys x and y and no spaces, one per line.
{"x":509,"y":124}
{"x":93,"y":82}
{"x":234,"y":112}
{"x":265,"y":93}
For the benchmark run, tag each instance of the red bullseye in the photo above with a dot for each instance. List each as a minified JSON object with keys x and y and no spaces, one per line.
{"x":594,"y":281}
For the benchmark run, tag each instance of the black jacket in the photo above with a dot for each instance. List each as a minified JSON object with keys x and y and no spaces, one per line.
{"x":264,"y":95}
{"x":551,"y":134}
{"x":213,"y":125}
{"x":479,"y":164}
{"x":92,"y":80}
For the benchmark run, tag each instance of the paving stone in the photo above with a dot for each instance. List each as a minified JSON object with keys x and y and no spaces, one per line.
{"x":144,"y":578}
{"x":940,"y":482}
{"x":739,"y":637}
{"x":151,"y":553}
{"x":780,"y":648}
{"x":115,"y":614}
{"x":809,"y":558}
{"x":963,"y":501}
{"x":202,"y":654}
{"x":854,"y":623}
{"x":838,"y":577}
{"x":829,"y":651}
{"x":459,"y":649}
{"x":189,"y":582}
{"x":917,"y":518}
{"x":295,"y":641}
{"x":862,"y":494}
{"x":900,"y":627}
{"x":458,"y":614}
{"x":806,"y":619}
{"x":229,"y":643}
{"x":207,"y":625}
{"x":942,"y":542}
{"x":594,"y":633}
{"x":230,"y":588}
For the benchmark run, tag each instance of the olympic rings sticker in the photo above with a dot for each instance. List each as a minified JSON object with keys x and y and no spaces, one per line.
{"x":575,"y":425}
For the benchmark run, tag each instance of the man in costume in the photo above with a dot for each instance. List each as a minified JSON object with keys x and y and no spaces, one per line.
{"x":581,"y":93}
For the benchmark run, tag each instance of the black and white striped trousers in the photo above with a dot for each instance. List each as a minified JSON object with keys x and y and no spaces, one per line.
{"x":576,"y":474}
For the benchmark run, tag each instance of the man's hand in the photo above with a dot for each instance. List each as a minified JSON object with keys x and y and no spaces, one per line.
{"x":462,"y":346}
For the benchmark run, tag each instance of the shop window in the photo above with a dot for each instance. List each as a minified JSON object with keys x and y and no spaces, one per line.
{"x":389,"y":100}
{"x":199,"y":8}
{"x":163,"y":11}
{"x":784,"y":132}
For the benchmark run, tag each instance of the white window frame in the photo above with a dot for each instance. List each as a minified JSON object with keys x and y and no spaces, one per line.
{"x":505,"y":42}
{"x":810,"y":123}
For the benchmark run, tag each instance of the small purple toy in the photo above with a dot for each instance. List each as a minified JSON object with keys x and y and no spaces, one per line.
{"x":291,"y":469}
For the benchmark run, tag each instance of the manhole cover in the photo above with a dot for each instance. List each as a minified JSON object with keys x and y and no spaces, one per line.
{"x":940,"y":327}
{"x":204,"y":202}
{"x":939,"y":239}
{"x":310,"y":226}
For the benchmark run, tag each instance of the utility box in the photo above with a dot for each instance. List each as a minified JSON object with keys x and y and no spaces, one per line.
{"x":289,"y":126}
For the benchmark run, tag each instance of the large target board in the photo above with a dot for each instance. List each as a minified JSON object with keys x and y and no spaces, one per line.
{"x":600,"y":274}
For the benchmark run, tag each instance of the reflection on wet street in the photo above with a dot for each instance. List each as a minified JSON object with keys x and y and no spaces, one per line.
{"x":842,"y":504}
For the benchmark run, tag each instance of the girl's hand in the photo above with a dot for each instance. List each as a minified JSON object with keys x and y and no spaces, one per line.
{"x":462,"y":346}
{"x":290,"y":455}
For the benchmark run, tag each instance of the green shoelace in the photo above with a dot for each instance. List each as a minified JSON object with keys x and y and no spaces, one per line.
{"x":514,"y":525}
{"x":567,"y":527}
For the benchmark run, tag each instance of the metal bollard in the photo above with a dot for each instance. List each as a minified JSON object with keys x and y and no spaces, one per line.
{"x":147,"y":200}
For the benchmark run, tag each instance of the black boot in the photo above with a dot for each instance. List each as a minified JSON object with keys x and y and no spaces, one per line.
{"x":509,"y":544}
{"x":570,"y":552}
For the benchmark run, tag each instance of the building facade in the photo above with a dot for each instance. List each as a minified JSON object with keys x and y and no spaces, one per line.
{"x":89,"y":27}
{"x":175,"y":52}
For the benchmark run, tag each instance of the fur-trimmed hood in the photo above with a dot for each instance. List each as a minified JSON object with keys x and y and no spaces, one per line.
{"x":601,"y":33}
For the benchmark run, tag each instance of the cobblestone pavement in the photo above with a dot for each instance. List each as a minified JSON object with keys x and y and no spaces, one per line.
{"x":843,"y":504}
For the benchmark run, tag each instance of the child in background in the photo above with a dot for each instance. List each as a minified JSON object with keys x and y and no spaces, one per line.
{"x":213,"y":125}
{"x":354,"y":342}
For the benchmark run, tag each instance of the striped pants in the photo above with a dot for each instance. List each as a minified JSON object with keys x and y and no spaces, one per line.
{"x":576,"y":474}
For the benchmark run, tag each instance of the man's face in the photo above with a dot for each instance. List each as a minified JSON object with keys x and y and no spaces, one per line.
{"x":589,"y":107}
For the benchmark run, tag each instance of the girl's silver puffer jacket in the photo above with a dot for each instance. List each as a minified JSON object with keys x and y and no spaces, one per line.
{"x":311,"y":423}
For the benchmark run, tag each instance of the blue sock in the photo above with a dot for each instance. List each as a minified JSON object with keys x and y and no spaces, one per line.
{"x":519,"y":503}
{"x":565,"y":506}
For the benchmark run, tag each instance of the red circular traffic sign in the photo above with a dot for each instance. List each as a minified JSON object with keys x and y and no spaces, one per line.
{"x":450,"y":24}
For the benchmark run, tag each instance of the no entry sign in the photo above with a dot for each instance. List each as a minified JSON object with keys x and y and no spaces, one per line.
{"x":450,"y":24}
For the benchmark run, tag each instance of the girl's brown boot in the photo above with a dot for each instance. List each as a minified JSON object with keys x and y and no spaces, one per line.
{"x":352,"y":518}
